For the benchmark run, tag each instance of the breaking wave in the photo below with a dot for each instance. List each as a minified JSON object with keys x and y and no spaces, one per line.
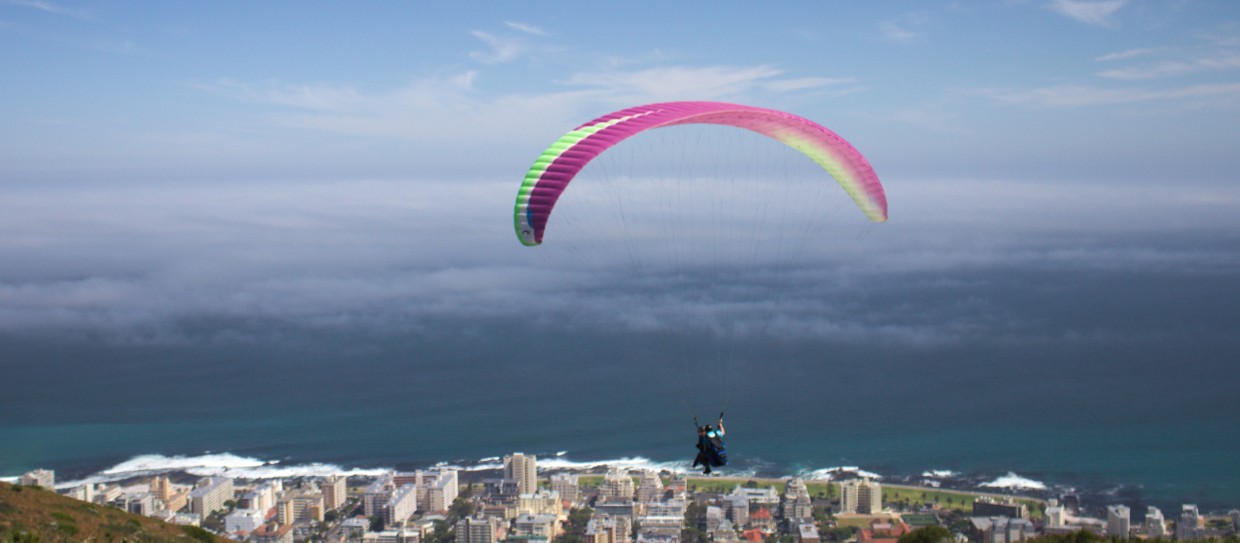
{"x":1013,"y":481}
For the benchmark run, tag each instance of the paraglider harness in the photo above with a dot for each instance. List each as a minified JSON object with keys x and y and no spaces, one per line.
{"x":711,"y":452}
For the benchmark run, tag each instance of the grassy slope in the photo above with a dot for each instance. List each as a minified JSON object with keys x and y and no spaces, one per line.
{"x":51,"y":517}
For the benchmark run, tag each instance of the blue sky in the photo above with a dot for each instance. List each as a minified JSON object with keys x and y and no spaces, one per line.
{"x":1116,"y":91}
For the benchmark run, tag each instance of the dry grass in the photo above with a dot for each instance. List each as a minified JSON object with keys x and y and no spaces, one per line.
{"x":31,"y":512}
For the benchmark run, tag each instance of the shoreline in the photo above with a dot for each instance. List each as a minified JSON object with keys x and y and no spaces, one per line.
{"x":913,"y":488}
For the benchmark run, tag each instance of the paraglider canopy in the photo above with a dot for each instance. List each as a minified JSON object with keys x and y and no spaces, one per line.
{"x":560,"y":163}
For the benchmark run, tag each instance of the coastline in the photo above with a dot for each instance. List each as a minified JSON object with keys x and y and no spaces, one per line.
{"x":944,"y":484}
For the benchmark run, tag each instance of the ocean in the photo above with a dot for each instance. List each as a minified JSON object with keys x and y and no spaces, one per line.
{"x":254,"y":399}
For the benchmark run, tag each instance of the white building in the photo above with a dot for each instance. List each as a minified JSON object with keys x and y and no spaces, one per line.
{"x":1119,"y":521}
{"x":862,"y":496}
{"x":766,"y":497}
{"x":1155,"y":524}
{"x":376,"y":494}
{"x":537,"y":526}
{"x":617,"y":485}
{"x":662,"y":522}
{"x":45,"y":478}
{"x":567,"y":486}
{"x":1190,"y":525}
{"x":210,"y":494}
{"x":243,"y":520}
{"x":401,"y":505}
{"x":524,"y":470}
{"x":738,"y":508}
{"x":1056,"y":515}
{"x":649,"y":487}
{"x":437,"y":489}
{"x":798,"y":505}
{"x":714,"y":518}
{"x":1002,"y":529}
{"x":543,"y":502}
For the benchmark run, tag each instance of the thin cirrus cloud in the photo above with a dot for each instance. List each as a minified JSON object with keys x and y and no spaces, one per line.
{"x":1093,"y":12}
{"x":444,"y":107}
{"x":1089,"y":95}
{"x":679,"y":82}
{"x":1129,"y":53}
{"x":501,"y":48}
{"x":1171,"y":68}
{"x":891,"y":31}
{"x":49,"y":7}
{"x":526,"y":28}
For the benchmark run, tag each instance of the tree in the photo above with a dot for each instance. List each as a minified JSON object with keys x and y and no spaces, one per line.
{"x":461,"y":507}
{"x":928,"y":534}
{"x":575,"y":529}
{"x":695,"y":520}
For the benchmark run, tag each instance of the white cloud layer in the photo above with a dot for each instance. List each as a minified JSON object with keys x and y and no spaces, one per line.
{"x":393,"y":256}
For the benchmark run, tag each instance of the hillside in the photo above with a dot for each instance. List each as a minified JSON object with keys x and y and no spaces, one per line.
{"x":32,"y":514}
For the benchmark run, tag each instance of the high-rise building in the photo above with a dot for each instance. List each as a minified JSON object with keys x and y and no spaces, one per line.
{"x":1155,"y":524}
{"x":300,"y":505}
{"x":480,"y":530}
{"x":376,"y":494}
{"x":861,"y":496}
{"x":567,"y":486}
{"x":523,"y":469}
{"x":649,"y":487}
{"x":210,"y":494}
{"x":400,"y":506}
{"x":1189,"y":526}
{"x":437,"y":488}
{"x":1118,"y":521}
{"x":798,"y":506}
{"x":617,"y":485}
{"x":334,"y":491}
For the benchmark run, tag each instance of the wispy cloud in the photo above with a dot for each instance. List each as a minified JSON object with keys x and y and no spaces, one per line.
{"x":905,"y":28}
{"x":450,"y":108}
{"x":1085,"y":95}
{"x":893,"y":32}
{"x":1220,"y":61}
{"x":1094,"y":12}
{"x":303,"y":96}
{"x":1129,"y":53}
{"x":49,"y":7}
{"x":502,"y":48}
{"x":682,"y":82}
{"x":805,"y":83}
{"x":527,"y":28}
